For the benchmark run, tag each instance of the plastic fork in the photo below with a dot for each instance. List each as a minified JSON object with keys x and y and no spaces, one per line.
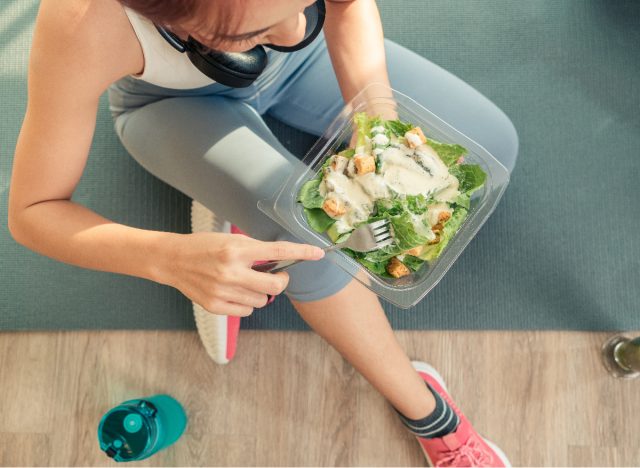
{"x":364,"y":238}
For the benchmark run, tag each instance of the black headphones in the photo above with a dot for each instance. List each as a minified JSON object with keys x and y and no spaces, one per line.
{"x":240,"y":69}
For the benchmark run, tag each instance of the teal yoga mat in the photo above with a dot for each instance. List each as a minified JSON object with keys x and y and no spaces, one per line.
{"x":562,"y":251}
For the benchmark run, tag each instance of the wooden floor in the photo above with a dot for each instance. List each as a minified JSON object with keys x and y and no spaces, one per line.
{"x":289,"y":399}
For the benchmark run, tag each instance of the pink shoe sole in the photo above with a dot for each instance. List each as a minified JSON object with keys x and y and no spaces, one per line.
{"x":233,"y":322}
{"x":236,"y":230}
{"x":218,"y":333}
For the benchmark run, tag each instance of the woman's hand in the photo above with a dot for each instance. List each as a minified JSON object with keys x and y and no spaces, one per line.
{"x":214,"y":269}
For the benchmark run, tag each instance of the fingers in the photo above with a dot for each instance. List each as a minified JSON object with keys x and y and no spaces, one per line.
{"x":282,"y":250}
{"x":262,"y":283}
{"x":219,"y":307}
{"x":232,"y":301}
{"x":236,"y":301}
{"x":243,"y":296}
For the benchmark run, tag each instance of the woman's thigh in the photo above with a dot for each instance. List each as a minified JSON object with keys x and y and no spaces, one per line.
{"x":220,"y":152}
{"x":312,"y":99}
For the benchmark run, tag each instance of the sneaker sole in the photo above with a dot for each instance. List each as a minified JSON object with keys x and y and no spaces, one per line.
{"x":427,"y":369}
{"x":214,"y":330}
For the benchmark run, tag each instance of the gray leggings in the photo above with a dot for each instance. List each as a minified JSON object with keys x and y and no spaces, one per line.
{"x":212,"y":144}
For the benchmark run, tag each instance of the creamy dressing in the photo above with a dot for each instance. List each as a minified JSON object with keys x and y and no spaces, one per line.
{"x":428,"y":158}
{"x":405,"y":149}
{"x":421,"y":228}
{"x":450,"y":193}
{"x":339,"y":163}
{"x":359,"y":204}
{"x":380,"y":139}
{"x":374,"y":185}
{"x":407,"y":177}
{"x":404,"y":170}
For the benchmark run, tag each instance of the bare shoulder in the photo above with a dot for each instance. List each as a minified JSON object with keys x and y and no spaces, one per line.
{"x":91,"y":40}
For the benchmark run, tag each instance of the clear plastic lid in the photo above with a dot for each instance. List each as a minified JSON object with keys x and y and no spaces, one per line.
{"x":377,"y":99}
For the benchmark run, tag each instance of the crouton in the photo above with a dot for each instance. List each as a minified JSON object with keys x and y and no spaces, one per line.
{"x":339,"y":163}
{"x":415,"y":137}
{"x":436,"y":240}
{"x":334,"y":207}
{"x":397,"y":269}
{"x":364,"y":163}
{"x":416,"y":251}
{"x":444,"y":216}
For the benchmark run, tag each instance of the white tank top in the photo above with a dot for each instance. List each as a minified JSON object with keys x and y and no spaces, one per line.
{"x":165,"y":66}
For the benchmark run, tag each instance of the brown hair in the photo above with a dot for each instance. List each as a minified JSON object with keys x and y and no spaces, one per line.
{"x":227,"y":13}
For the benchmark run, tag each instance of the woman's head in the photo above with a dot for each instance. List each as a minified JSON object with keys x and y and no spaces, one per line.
{"x":229,"y":25}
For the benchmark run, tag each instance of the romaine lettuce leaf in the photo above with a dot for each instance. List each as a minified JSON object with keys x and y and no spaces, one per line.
{"x":388,"y":206}
{"x":363,"y":127}
{"x":347,"y":153}
{"x":379,"y":268}
{"x":375,"y":122}
{"x":335,"y":236}
{"x":382,"y":255}
{"x":417,"y":203}
{"x":463,"y":200}
{"x":431,"y":252}
{"x":470,"y":176}
{"x":413,"y":263}
{"x":404,"y":232}
{"x":448,"y":153}
{"x":318,"y":219}
{"x":309,"y":194}
{"x":397,"y":127}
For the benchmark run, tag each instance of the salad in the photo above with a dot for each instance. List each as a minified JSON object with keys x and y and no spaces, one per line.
{"x":422,"y":186}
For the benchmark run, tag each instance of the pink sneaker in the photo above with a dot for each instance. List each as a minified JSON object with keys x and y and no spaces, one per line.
{"x":218,"y":333}
{"x":464,"y":447}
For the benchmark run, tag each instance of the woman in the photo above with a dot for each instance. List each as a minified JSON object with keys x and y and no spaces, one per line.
{"x":209,"y":141}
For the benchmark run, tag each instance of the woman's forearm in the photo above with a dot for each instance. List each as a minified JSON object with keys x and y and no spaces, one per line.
{"x":355,"y":41}
{"x":73,"y":234}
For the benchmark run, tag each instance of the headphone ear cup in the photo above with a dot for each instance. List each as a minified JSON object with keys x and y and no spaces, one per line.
{"x":234,"y":69}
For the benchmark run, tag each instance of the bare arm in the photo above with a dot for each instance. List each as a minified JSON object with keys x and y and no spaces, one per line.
{"x":79,"y":48}
{"x":70,"y":67}
{"x":354,"y":36}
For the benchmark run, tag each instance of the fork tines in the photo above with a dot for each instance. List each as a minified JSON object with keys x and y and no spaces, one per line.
{"x":380,"y":230}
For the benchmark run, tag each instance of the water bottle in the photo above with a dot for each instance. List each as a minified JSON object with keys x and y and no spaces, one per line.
{"x":136,"y":429}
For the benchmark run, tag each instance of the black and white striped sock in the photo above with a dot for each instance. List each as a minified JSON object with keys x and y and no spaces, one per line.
{"x":442,"y":421}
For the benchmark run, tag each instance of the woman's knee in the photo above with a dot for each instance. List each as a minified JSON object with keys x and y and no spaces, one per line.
{"x":453,"y":100}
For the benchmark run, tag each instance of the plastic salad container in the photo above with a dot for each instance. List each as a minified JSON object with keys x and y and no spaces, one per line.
{"x":380,"y":100}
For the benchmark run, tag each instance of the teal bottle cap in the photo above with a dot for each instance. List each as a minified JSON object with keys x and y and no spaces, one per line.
{"x":137,"y":429}
{"x":127,"y":433}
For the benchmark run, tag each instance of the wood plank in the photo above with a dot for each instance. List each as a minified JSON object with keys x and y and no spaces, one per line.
{"x":19,"y":449}
{"x":290,"y":399}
